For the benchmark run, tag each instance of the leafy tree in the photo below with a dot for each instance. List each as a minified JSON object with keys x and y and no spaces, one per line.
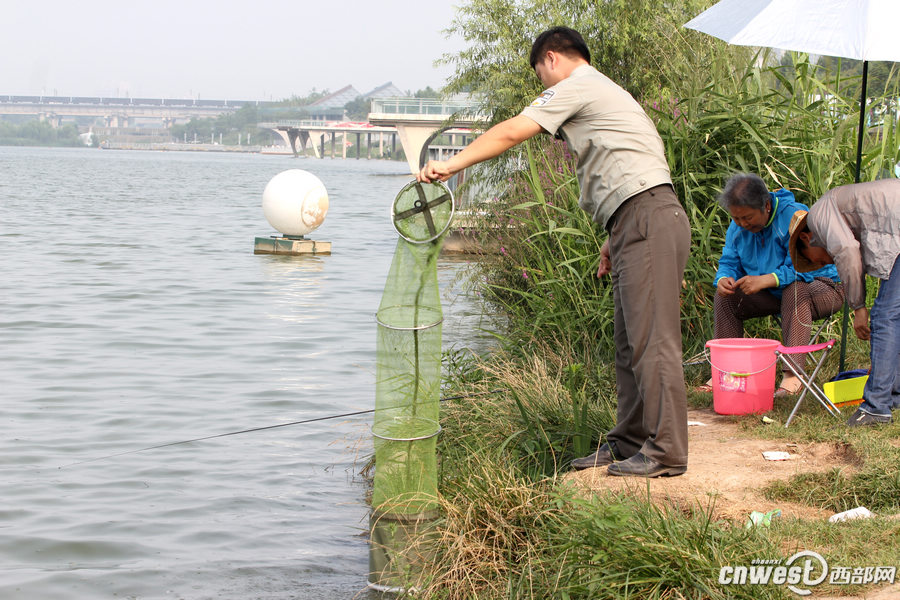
{"x":427,"y":93}
{"x":879,"y":78}
{"x":628,"y":40}
{"x":306,"y":100}
{"x":38,"y":133}
{"x":239,"y":125}
{"x":358,"y":109}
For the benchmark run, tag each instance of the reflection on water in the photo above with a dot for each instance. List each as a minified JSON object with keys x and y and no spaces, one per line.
{"x":297,"y":292}
{"x":135,"y":314}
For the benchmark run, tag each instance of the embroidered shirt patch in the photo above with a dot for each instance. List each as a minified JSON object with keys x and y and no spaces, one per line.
{"x":543,"y":98}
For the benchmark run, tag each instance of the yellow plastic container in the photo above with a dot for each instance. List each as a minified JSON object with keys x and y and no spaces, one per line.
{"x":846,"y":392}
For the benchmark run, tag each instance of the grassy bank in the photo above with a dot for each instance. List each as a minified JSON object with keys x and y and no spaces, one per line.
{"x":512,"y":526}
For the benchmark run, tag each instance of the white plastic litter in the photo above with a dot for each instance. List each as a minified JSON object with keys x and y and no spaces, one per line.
{"x":860,"y":512}
{"x":776,"y":455}
{"x":696,"y":423}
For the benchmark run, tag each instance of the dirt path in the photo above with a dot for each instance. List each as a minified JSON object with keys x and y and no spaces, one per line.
{"x":728,"y":468}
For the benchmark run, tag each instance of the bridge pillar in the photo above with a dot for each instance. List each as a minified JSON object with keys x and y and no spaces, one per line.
{"x":413,"y":138}
{"x":284,"y":136}
{"x":305,"y":139}
{"x":293,"y":134}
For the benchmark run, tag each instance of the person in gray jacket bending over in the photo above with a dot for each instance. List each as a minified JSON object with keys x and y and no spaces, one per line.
{"x":625,"y":187}
{"x":857,"y":227}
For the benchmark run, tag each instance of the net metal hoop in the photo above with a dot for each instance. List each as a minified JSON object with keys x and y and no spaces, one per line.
{"x":387,"y":589}
{"x":443,"y":229}
{"x":412,"y":439}
{"x":397,"y":328}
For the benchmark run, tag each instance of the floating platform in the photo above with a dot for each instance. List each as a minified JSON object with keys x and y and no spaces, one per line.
{"x":290,"y":246}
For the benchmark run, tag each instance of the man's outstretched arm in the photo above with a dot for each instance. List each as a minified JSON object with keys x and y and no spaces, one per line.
{"x":493,"y":142}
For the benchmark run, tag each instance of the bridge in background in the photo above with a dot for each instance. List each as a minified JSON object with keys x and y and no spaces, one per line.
{"x":416,"y":121}
{"x":420,"y":120}
{"x":303,"y":134}
{"x":119,"y":112}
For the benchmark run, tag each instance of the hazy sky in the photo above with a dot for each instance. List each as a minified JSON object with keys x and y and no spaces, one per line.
{"x":256,"y":50}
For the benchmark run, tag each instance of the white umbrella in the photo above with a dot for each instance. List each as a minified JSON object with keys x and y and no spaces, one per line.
{"x":861,"y":29}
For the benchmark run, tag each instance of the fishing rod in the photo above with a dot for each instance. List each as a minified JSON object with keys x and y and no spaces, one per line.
{"x":254,"y":429}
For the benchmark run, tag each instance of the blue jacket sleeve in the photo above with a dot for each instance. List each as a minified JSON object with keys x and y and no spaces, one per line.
{"x":785,"y":272}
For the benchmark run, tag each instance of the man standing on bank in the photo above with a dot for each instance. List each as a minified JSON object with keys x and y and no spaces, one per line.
{"x":857,"y":228}
{"x":626,"y":187}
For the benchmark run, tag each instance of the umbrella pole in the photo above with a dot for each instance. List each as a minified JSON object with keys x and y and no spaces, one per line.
{"x":859,"y":142}
{"x":862,"y":119}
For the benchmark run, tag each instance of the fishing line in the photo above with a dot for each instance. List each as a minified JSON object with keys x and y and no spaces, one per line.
{"x":254,"y":429}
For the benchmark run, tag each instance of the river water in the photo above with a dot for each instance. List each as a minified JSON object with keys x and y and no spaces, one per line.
{"x":133,"y":313}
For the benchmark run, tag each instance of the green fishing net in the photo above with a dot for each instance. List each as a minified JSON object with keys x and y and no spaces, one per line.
{"x":408,"y":380}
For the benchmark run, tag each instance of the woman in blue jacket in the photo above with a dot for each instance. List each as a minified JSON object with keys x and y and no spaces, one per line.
{"x":756,"y":276}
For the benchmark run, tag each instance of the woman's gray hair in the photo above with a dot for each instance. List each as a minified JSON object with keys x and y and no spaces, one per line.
{"x":744,"y":189}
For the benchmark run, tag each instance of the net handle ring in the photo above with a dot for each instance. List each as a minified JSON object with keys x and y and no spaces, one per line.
{"x":439,"y":233}
{"x":413,"y":439}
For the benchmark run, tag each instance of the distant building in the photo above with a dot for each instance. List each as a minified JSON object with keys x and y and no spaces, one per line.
{"x":331,"y":107}
{"x":388,"y":90}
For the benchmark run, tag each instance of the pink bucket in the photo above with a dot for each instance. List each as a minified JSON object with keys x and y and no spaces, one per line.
{"x":743,"y":375}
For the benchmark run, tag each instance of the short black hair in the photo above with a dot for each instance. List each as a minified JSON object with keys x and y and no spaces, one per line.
{"x":745,"y":189}
{"x":559,"y":39}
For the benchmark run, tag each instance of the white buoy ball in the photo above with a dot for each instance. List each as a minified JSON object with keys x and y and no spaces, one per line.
{"x":295,"y":202}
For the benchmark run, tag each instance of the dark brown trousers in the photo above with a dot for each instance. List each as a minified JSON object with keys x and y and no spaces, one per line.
{"x":649,"y":240}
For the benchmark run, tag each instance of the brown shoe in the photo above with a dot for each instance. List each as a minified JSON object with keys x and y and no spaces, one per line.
{"x":641,"y":466}
{"x":602,"y":457}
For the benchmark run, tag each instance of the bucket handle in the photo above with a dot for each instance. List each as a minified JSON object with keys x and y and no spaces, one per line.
{"x":735,"y":373}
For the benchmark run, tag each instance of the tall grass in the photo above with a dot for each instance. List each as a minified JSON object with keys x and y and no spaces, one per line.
{"x":549,"y":410}
{"x":544,"y":276}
